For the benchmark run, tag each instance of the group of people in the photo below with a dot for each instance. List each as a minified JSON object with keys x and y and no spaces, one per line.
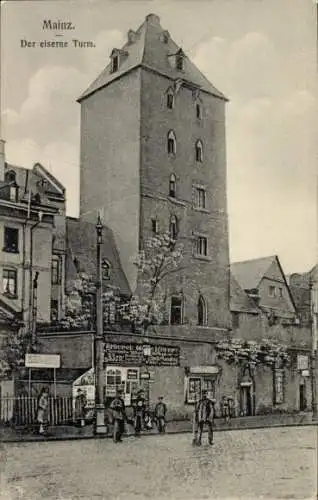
{"x":142,"y":418}
{"x":203,"y":415}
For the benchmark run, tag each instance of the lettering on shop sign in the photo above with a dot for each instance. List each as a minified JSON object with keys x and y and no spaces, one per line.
{"x":133,"y":354}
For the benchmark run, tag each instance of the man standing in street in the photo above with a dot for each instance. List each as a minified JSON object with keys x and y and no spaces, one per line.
{"x":140,"y":409}
{"x":205,"y":415}
{"x":119,"y":415}
{"x":160,"y":415}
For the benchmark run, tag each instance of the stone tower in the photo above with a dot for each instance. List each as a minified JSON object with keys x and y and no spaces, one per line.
{"x":153,"y":157}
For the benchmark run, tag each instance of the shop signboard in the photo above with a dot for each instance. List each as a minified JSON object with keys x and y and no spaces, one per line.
{"x":131,"y":354}
{"x":42,"y":360}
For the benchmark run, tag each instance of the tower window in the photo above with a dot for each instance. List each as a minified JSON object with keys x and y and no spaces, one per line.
{"x":11,"y":240}
{"x":171,"y":144}
{"x":172,"y":186}
{"x":202,"y":246}
{"x":105,"y":269}
{"x":115,"y":63}
{"x":176,"y":310}
{"x":198,"y":111}
{"x":202,"y":316}
{"x":9,"y":282}
{"x":154,"y":226}
{"x":179,"y":62}
{"x":200,"y":198}
{"x":170,"y":99}
{"x":199,"y":151}
{"x":173,"y":227}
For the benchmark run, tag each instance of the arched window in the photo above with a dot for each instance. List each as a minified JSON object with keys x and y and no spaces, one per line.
{"x":170,"y":99}
{"x":202,"y":313}
{"x":198,"y":111}
{"x":172,"y":143}
{"x":199,"y":151}
{"x":172,"y":186}
{"x":10,"y":176}
{"x":173,"y":227}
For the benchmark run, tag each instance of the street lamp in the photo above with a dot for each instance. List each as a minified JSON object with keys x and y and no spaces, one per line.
{"x":100,"y":427}
{"x":313,"y":363}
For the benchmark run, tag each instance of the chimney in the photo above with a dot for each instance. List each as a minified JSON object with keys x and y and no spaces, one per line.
{"x":131,"y":36}
{"x":2,"y":159}
{"x":153,"y":19}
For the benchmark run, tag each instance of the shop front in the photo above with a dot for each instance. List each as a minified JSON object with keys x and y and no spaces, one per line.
{"x":199,"y":379}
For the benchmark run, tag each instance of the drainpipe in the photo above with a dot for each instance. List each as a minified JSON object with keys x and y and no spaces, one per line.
{"x":40,"y":215}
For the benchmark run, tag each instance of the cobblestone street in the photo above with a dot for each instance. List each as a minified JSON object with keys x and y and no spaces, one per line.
{"x":272,"y":463}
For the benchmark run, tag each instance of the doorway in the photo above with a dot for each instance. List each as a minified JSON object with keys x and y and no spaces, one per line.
{"x":302,"y":397}
{"x":246,"y":401}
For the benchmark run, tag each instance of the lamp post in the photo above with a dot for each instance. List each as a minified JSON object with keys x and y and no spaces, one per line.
{"x":313,"y":363}
{"x":100,"y":427}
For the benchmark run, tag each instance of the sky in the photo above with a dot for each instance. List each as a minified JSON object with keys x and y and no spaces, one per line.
{"x":260,"y":53}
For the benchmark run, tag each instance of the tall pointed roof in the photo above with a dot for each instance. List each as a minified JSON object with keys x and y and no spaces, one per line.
{"x":152,"y":47}
{"x":249,"y":273}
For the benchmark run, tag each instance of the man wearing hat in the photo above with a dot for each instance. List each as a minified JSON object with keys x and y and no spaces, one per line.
{"x":205,"y":415}
{"x":160,"y":415}
{"x":119,"y":415}
{"x":140,"y":411}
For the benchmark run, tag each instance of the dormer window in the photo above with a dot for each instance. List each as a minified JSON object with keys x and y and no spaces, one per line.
{"x":115,"y":63}
{"x":179,"y":61}
{"x":11,"y":188}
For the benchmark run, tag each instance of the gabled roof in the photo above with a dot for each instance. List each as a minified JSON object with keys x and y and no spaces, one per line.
{"x":38,"y":180}
{"x":239,"y":300}
{"x":249,"y":273}
{"x":148,"y":50}
{"x":81,"y":245}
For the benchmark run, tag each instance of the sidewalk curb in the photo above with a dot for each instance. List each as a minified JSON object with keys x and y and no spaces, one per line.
{"x":29,"y":439}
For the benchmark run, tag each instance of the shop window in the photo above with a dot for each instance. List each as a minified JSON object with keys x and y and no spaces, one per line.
{"x":176,"y":310}
{"x":11,"y":240}
{"x":196,"y":385}
{"x":9,"y":282}
{"x":278,"y":386}
{"x":113,"y":382}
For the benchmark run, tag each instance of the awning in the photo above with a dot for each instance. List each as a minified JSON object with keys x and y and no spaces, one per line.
{"x":204,"y":370}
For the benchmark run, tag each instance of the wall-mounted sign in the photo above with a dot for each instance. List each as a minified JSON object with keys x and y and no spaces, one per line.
{"x":42,"y":360}
{"x":302,"y":362}
{"x":125,"y":353}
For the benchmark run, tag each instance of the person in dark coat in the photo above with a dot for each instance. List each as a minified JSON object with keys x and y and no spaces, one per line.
{"x":205,"y":416}
{"x":140,"y":412}
{"x":119,"y":416}
{"x":160,"y":415}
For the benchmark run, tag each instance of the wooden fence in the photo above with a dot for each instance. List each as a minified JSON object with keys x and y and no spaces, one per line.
{"x":22,"y":410}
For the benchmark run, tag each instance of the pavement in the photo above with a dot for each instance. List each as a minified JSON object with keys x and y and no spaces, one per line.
{"x":66,"y":432}
{"x":273,"y":463}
